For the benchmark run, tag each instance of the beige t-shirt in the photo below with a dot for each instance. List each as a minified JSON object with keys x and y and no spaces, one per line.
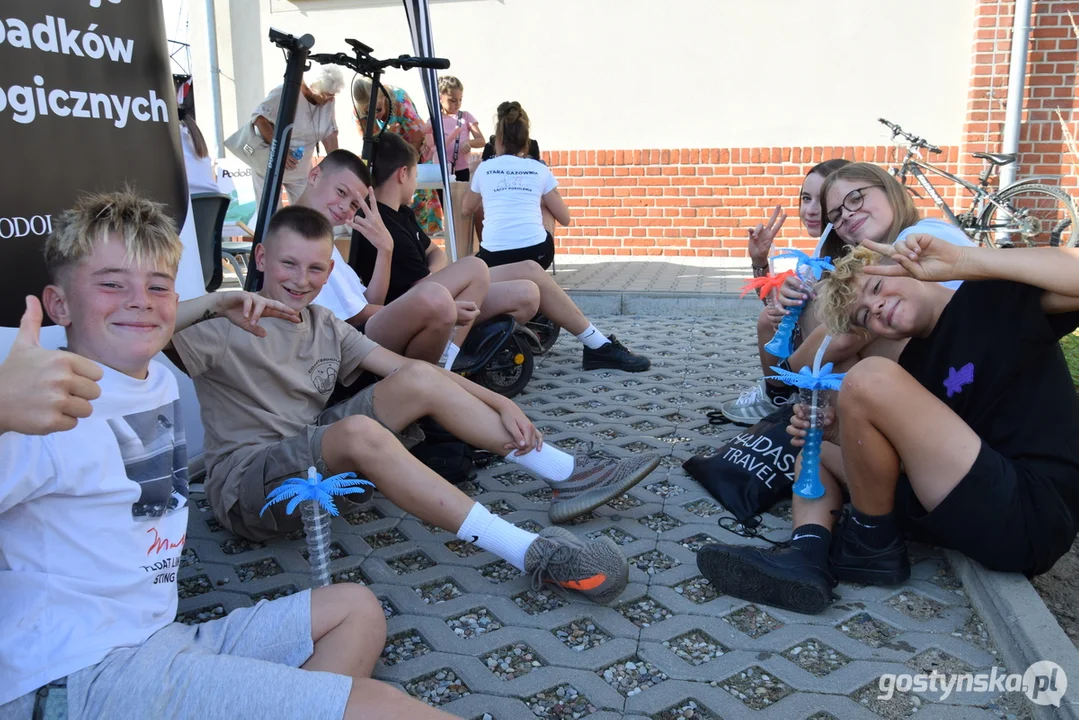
{"x":311,"y":125}
{"x":256,"y":391}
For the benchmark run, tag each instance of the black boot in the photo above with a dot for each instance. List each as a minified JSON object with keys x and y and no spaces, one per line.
{"x":861,"y":555}
{"x":614,"y":355}
{"x":780,"y":576}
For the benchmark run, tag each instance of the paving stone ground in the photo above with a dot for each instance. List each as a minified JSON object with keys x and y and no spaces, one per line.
{"x":467,"y":634}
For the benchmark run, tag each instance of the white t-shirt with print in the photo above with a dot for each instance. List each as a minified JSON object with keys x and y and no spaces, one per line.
{"x":343,"y":292}
{"x":512,"y":189}
{"x":92,"y":524}
{"x":945,"y":231}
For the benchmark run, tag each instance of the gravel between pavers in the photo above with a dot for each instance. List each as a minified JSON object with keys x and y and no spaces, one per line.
{"x":917,"y":606}
{"x":474,"y":623}
{"x":686,"y":710}
{"x":644,"y":612}
{"x":581,"y":635}
{"x":660,"y":522}
{"x":816,"y":657}
{"x":693,"y":543}
{"x":384,"y":538}
{"x":402,"y":647}
{"x":410,"y":563}
{"x":653,"y":562}
{"x":560,"y":703}
{"x":618,"y":535}
{"x":537,"y":603}
{"x":499,"y":572}
{"x":697,"y":590}
{"x":438,"y":688}
{"x":438,"y":591}
{"x":753,"y":621}
{"x":632,"y":677}
{"x":463,"y":548}
{"x":512,"y":661}
{"x":258,"y":569}
{"x":190,"y":587}
{"x":696,"y":647}
{"x":755,"y":687}
{"x":866,"y":628}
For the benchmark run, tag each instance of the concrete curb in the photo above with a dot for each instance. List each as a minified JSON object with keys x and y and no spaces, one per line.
{"x":661,"y":304}
{"x":1021,"y":626}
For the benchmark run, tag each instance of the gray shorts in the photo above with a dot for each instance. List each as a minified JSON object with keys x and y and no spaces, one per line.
{"x":245,"y":665}
{"x":269,"y":466}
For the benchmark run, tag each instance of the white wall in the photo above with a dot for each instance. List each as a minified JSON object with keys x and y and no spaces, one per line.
{"x":648,"y":73}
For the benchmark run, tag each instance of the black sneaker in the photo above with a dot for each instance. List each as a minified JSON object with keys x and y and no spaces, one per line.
{"x":852,"y":560}
{"x":616,"y":356}
{"x":779,"y":576}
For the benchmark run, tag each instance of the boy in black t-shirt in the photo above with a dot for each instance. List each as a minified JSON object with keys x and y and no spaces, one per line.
{"x":966,"y":439}
{"x":518,"y":289}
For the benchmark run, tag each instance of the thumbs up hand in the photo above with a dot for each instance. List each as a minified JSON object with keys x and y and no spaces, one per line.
{"x":43,"y":391}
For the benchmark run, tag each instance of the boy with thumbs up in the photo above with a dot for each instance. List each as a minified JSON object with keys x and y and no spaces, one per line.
{"x":93,"y":516}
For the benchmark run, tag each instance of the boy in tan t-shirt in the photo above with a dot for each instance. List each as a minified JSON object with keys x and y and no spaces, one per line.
{"x":262,"y":407}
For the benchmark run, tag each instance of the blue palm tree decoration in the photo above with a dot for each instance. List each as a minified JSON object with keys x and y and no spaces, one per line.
{"x":810,"y":270}
{"x":315,"y":496}
{"x":811,"y":382}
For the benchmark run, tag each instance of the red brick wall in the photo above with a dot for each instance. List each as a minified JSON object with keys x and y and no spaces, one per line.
{"x":692,"y":201}
{"x":700,"y":201}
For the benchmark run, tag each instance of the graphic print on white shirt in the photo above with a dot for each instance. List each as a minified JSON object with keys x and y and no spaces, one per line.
{"x":154,"y":451}
{"x":92,"y":526}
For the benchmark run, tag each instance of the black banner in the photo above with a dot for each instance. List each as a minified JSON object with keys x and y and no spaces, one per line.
{"x":87,"y":103}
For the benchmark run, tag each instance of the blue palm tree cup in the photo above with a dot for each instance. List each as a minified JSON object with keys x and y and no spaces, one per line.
{"x":314,"y":496}
{"x":813,"y":386}
{"x":809,"y":270}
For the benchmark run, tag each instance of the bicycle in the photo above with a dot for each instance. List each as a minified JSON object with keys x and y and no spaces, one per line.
{"x":1026,"y":212}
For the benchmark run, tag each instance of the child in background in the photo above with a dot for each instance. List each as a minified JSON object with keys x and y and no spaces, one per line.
{"x":460,"y":127}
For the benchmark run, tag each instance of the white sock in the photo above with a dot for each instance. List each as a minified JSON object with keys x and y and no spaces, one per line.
{"x":495,"y":535}
{"x":549,"y":463}
{"x":450,"y":355}
{"x":592,"y":338}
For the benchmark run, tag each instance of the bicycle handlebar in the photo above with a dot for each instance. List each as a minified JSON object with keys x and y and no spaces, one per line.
{"x":914,"y":140}
{"x":291,"y":42}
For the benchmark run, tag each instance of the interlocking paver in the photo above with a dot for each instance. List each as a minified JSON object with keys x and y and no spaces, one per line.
{"x":694,"y":654}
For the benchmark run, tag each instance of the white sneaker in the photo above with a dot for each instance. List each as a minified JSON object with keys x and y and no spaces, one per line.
{"x":752,"y":406}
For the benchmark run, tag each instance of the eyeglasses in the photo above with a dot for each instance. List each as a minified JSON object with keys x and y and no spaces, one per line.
{"x":852,"y":202}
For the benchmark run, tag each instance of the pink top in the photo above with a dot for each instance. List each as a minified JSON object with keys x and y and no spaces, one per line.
{"x":449,"y":123}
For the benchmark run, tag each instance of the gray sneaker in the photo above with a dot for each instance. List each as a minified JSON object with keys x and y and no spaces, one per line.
{"x":595,"y":482}
{"x":751,"y":407}
{"x":596,"y":569}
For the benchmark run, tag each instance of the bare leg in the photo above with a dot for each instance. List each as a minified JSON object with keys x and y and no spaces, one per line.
{"x":417,"y":324}
{"x":819,"y":510}
{"x":467,"y":279}
{"x":348,"y":628}
{"x":554,"y":302}
{"x":418,"y":390}
{"x":766,"y":330}
{"x":360,"y":444}
{"x":887,"y":417}
{"x":374,"y":700}
{"x":519,"y":298}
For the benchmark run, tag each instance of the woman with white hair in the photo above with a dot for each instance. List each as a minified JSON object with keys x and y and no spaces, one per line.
{"x":314,"y":123}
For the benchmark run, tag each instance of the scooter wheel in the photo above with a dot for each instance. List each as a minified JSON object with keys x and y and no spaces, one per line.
{"x":546,"y":331}
{"x":510,"y":369}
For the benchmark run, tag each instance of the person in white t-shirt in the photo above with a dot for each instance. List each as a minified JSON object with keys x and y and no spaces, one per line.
{"x":93,"y":521}
{"x":418,"y":324}
{"x":515,"y":190}
{"x":201,"y":177}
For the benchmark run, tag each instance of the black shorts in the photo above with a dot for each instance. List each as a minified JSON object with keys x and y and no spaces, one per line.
{"x":542,"y":253}
{"x":999,"y":515}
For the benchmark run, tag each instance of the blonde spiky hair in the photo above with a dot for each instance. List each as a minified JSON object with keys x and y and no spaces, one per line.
{"x":839,"y":290}
{"x":148,"y":233}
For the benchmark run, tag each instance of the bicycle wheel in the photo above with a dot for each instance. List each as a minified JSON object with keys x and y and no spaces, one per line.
{"x":1033,"y":215}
